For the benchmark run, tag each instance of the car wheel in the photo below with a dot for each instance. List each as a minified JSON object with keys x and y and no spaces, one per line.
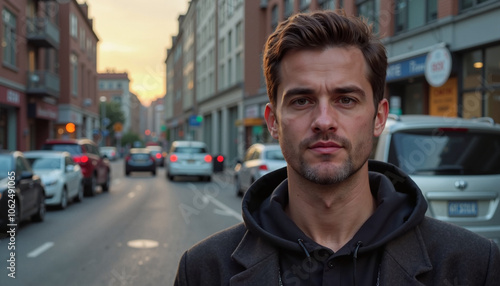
{"x":154,"y":173}
{"x":105,"y":185}
{"x":64,"y":199}
{"x":79,"y":195}
{"x":40,"y":214}
{"x":170,"y":177}
{"x":237,"y":185}
{"x":208,"y":178}
{"x":90,"y":189}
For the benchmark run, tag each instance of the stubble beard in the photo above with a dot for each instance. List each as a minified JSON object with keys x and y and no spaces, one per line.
{"x":326,"y":174}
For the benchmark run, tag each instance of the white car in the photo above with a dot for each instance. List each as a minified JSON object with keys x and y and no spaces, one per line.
{"x":259,"y":160}
{"x":61,"y":176}
{"x":189,"y":158}
{"x":109,"y":152}
{"x":454,"y":161}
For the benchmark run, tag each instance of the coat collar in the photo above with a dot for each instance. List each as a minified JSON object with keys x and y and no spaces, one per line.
{"x":404,"y":259}
{"x":260,"y":260}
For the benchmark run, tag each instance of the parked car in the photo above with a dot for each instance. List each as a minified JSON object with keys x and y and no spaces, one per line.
{"x":109,"y":152}
{"x":189,"y":158}
{"x":158,"y":154}
{"x":140,"y":160}
{"x":455,"y":162}
{"x":22,"y":194}
{"x":61,"y":176}
{"x":259,"y":160}
{"x":95,"y":168}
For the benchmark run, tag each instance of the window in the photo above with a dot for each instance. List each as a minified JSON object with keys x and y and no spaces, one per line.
{"x":74,"y":74}
{"x":239,"y":34}
{"x":288,"y":8}
{"x":230,"y":72}
{"x":239,"y":67}
{"x":73,"y":25}
{"x":422,"y":12}
{"x":274,"y":17}
{"x":370,"y":10}
{"x":326,"y":4}
{"x":304,"y":5}
{"x":229,"y":41}
{"x":466,"y":4}
{"x":481,"y":83}
{"x":9,"y":38}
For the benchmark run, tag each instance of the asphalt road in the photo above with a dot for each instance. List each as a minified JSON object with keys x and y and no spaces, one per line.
{"x":134,"y":234}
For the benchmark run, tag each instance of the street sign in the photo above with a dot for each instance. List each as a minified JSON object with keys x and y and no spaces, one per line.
{"x":195,"y":120}
{"x":106,"y":121}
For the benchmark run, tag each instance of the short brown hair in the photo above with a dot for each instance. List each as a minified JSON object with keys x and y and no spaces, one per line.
{"x":320,"y":30}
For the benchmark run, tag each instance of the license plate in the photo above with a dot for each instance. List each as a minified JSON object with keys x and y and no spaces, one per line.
{"x":190,"y":161}
{"x":462,"y":209}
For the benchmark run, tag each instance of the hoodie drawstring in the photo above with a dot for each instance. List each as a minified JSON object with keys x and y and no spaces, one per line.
{"x":301,"y":243}
{"x":354,"y":260}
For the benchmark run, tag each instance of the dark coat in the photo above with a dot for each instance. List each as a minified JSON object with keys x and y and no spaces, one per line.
{"x":434,"y":253}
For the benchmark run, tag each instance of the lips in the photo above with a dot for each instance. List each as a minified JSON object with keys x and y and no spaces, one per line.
{"x":325,"y":147}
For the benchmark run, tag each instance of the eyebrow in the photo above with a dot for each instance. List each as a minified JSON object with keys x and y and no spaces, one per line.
{"x":339,"y":90}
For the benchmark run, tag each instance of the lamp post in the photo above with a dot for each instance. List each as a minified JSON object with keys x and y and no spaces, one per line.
{"x":103,"y":119}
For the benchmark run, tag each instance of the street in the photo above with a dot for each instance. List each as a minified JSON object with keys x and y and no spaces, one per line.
{"x":133,"y":235}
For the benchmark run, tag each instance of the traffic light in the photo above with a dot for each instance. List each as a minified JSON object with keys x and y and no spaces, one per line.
{"x":147,"y":132}
{"x":70,"y":127}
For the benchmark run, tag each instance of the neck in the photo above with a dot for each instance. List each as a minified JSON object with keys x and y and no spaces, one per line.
{"x":331,"y":215}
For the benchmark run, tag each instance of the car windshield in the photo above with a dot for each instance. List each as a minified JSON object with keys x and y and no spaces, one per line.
{"x":190,"y":150}
{"x":44,"y":163}
{"x":73,"y":149}
{"x":446,"y":152}
{"x":5,"y":165}
{"x":274,"y":155}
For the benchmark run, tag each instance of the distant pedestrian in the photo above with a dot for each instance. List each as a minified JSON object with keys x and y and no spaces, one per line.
{"x":332,"y":217}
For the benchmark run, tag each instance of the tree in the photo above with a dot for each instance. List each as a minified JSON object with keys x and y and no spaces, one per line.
{"x":114,"y":113}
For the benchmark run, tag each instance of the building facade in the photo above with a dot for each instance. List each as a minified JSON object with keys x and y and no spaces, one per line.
{"x":444,"y":60}
{"x":48,"y":72}
{"x":79,"y":102}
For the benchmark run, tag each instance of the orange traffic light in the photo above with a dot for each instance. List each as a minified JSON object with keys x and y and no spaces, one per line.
{"x":70,"y":127}
{"x":147,"y":132}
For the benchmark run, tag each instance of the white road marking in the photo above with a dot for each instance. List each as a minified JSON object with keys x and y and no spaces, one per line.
{"x":225,"y":209}
{"x":41,"y":249}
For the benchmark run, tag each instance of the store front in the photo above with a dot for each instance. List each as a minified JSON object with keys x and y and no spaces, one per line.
{"x":481,"y":83}
{"x":13,"y":126}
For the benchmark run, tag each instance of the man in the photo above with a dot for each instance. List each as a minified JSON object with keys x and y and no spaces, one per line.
{"x":332,"y":217}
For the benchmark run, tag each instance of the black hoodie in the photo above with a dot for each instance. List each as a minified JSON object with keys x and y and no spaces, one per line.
{"x":400,"y":207}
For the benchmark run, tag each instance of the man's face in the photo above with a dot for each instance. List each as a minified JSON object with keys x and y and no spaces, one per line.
{"x":324,"y":116}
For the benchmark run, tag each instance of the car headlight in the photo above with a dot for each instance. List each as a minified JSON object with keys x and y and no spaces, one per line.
{"x":50,"y":183}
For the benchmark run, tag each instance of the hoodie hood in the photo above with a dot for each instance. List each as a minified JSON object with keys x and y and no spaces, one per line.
{"x":400,"y":207}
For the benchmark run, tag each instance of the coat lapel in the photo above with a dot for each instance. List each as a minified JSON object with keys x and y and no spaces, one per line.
{"x":260,"y":262}
{"x":404,"y":259}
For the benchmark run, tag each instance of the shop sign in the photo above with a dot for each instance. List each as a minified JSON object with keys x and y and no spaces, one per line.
{"x":9,"y":96}
{"x":438,"y":66}
{"x":407,"y":68}
{"x":443,"y":100}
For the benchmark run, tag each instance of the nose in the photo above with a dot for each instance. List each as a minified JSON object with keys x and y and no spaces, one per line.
{"x":324,"y":118}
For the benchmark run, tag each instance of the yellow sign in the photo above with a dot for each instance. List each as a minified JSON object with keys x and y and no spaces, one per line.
{"x":443,"y":100}
{"x":118,"y":127}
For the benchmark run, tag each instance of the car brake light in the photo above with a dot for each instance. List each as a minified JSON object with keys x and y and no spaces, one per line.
{"x":208,"y":158}
{"x":158,"y":156}
{"x":81,"y":159}
{"x":127,"y":158}
{"x":263,"y":167}
{"x":173,"y":158}
{"x":220,"y":158}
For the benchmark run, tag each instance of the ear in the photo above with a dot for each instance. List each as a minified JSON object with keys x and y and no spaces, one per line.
{"x":381,"y":117}
{"x":271,"y":120}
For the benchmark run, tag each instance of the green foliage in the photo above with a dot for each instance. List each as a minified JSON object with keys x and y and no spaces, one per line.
{"x":129,"y":138}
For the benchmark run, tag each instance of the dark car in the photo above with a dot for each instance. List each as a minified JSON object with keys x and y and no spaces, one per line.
{"x":140,"y":160}
{"x":22,"y":195}
{"x":95,"y":168}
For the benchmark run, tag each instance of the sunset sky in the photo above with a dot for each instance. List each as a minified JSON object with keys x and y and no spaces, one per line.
{"x":133,"y":37}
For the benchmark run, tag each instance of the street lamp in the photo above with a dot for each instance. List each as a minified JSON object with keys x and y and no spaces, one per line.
{"x":103,"y":119}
